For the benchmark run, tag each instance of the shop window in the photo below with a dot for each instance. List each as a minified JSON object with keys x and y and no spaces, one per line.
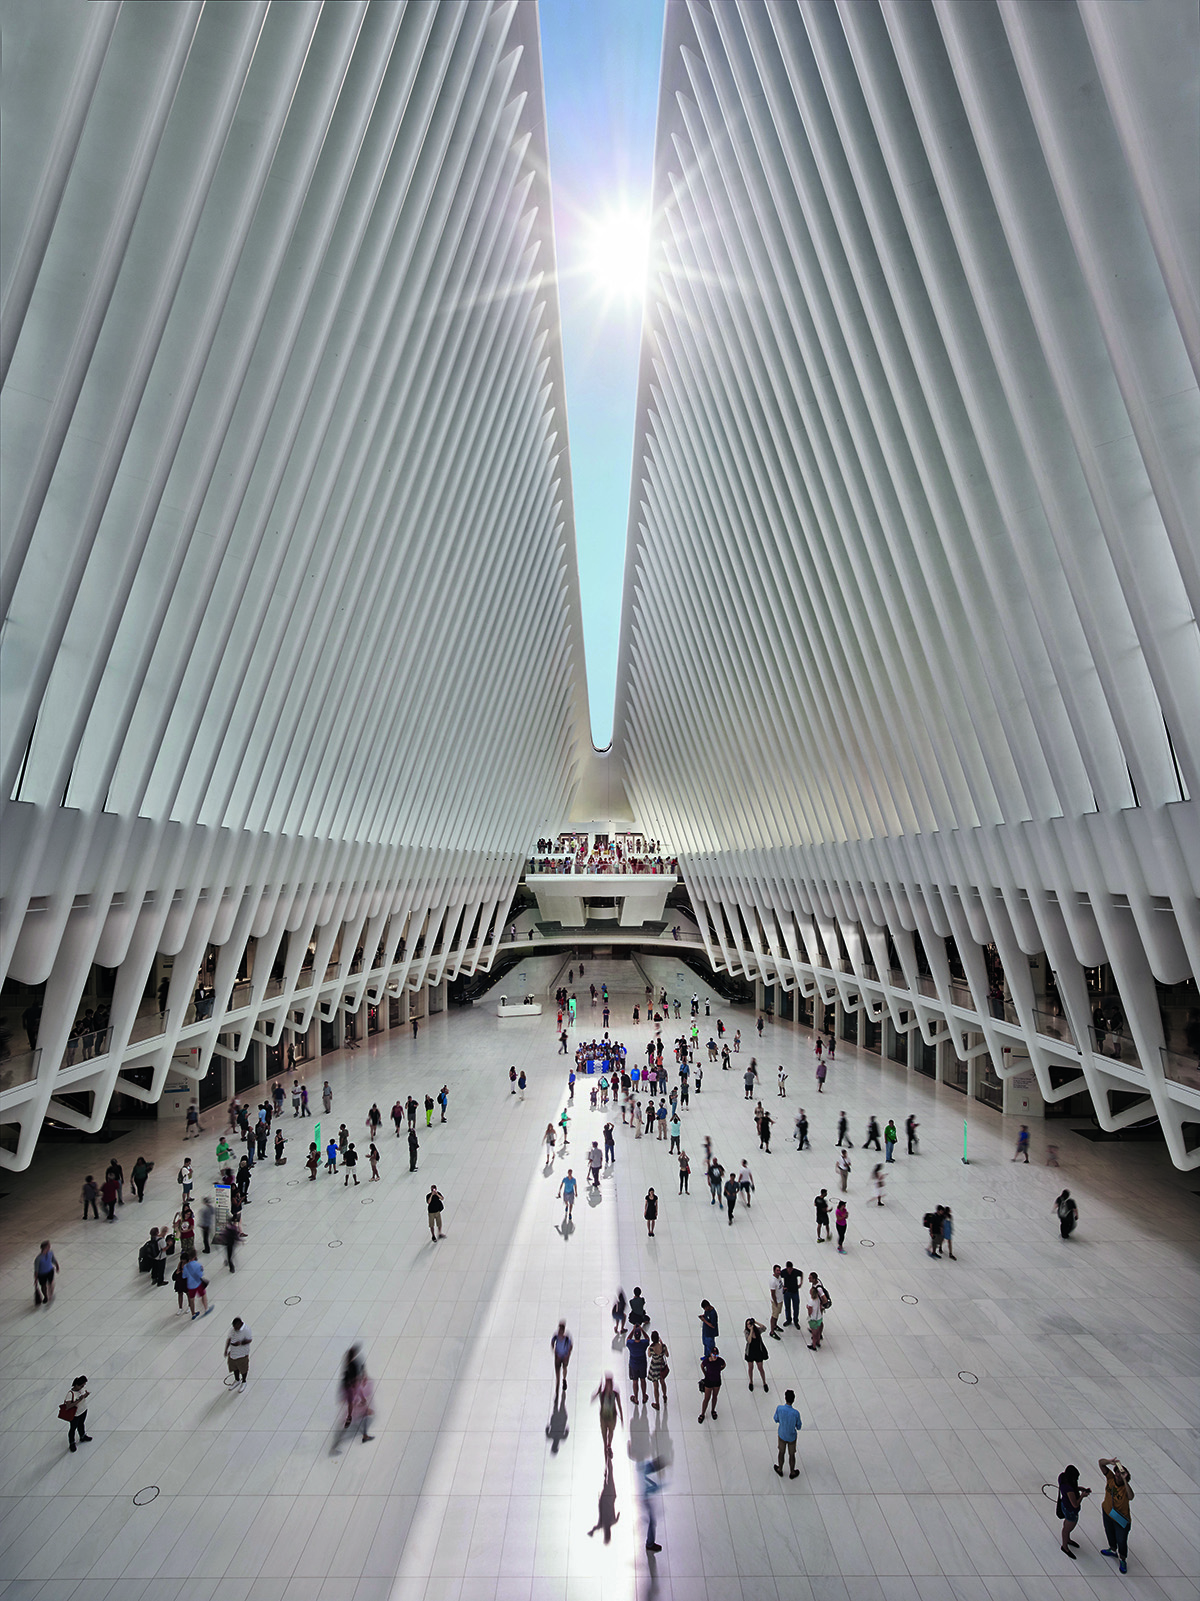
{"x":897,"y":1045}
{"x":850,"y":1027}
{"x":924,"y":1056}
{"x":988,"y":1087}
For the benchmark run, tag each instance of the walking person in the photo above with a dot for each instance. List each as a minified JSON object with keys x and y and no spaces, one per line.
{"x":138,"y":1175}
{"x":776,"y":1293}
{"x":659,"y":1368}
{"x":595,"y":1161}
{"x":355,"y":1389}
{"x":745,"y":1182}
{"x":756,"y":1351}
{"x":1068,"y":1214}
{"x":237,"y":1352}
{"x":948,"y":1232}
{"x":877,"y":1183}
{"x":610,"y":1411}
{"x":562,"y":1345}
{"x":650,"y":1212}
{"x":841,"y":1216}
{"x":933,"y":1222}
{"x":1022,"y":1150}
{"x":619,"y":1309}
{"x":550,"y":1140}
{"x":414,"y":1146}
{"x":435,"y":1205}
{"x":685,"y":1173}
{"x":1118,"y":1493}
{"x":802,"y":1143}
{"x":373,"y":1158}
{"x":89,"y":1196}
{"x":1070,"y":1502}
{"x":649,"y":1490}
{"x":788,"y":1423}
{"x":196,"y":1286}
{"x":842,"y":1168}
{"x":207,"y":1221}
{"x":910,"y":1133}
{"x":74,"y":1411}
{"x":712,"y":1365}
{"x":731,"y":1194}
{"x":822,"y":1071}
{"x":568,"y":1190}
{"x":45,"y":1266}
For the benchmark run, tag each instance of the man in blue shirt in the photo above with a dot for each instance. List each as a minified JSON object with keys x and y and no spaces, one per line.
{"x":567,"y":1189}
{"x":788,"y":1420}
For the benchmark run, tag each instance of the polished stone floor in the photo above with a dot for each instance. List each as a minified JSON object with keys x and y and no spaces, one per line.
{"x":946,"y":1396}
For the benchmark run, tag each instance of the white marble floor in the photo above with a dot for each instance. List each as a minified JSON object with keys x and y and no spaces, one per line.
{"x":916,"y":1485}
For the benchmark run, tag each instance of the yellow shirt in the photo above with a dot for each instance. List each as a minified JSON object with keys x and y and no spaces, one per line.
{"x":1116,"y":1495}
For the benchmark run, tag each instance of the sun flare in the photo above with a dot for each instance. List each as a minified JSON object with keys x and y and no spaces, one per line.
{"x":616,"y":253}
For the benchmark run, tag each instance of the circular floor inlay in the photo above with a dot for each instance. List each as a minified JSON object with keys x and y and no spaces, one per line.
{"x":367,"y":1200}
{"x":144,"y":1497}
{"x":275,"y":1200}
{"x":968,"y":1378}
{"x":866,"y":1242}
{"x":599,"y":1300}
{"x":333,"y":1244}
{"x":292,"y":1183}
{"x":910,"y":1299}
{"x":292,"y":1300}
{"x":989,"y":1197}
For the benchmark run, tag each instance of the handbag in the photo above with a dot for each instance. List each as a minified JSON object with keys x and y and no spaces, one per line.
{"x":67,"y":1411}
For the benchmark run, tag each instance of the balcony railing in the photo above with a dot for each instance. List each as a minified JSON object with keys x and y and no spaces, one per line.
{"x":86,"y":1046}
{"x":926,"y":985}
{"x":240,"y":995}
{"x":1114,"y":1043}
{"x":1179,"y":1068}
{"x":148,"y":1026}
{"x":960,"y":994}
{"x":332,"y":971}
{"x":897,"y":979}
{"x":1054,"y":1026}
{"x":19,"y":1069}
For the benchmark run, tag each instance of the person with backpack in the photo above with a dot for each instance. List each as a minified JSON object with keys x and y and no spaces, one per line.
{"x":1068,"y":1214}
{"x":1070,"y":1503}
{"x":819,"y":1302}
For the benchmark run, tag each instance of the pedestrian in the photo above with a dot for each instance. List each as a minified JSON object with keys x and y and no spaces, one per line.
{"x":304,"y":1107}
{"x":1070,"y":1502}
{"x":759,"y":1026}
{"x":595,"y":1161}
{"x":610,"y":1143}
{"x":435,"y":1205}
{"x":45,"y":1266}
{"x":659,"y":1368}
{"x":948,"y":1232}
{"x":712,"y":1364}
{"x":237,"y":1352}
{"x":676,"y":1130}
{"x":414,"y":1027}
{"x":410,"y":1111}
{"x":749,"y":1078}
{"x":428,"y":1110}
{"x":745,"y":1182}
{"x":89,"y":1196}
{"x":648,"y":1472}
{"x":764,"y":1132}
{"x":776,"y":1294}
{"x":842,"y":1168}
{"x":108,"y":1194}
{"x":841,"y":1216}
{"x":819,"y":1302}
{"x":74,"y":1411}
{"x":1022,"y":1144}
{"x":843,"y":1129}
{"x":638,"y":1316}
{"x":562,"y":1345}
{"x":187,"y":1178}
{"x":802,"y":1143}
{"x":782,"y":1083}
{"x":549,"y":1140}
{"x":1068,"y":1214}
{"x":872,"y":1133}
{"x":822,"y":1070}
{"x":295,"y":1096}
{"x":1118,"y":1493}
{"x":185,"y":1228}
{"x":139,"y":1173}
{"x":791,"y":1276}
{"x":568,"y":1189}
{"x":207,"y":1220}
{"x":638,"y":1346}
{"x":821,"y":1206}
{"x":877,"y":1183}
{"x":889,"y":1139}
{"x":709,"y":1326}
{"x":685,"y":1173}
{"x":398,"y":1115}
{"x":356,"y":1396}
{"x":195,"y":1285}
{"x":312,"y":1162}
{"x":193,"y":1125}
{"x":730,"y":1191}
{"x":620,"y":1308}
{"x":327,"y":1097}
{"x":910,"y":1131}
{"x":756,"y":1351}
{"x":563,"y":1121}
{"x":933,"y":1222}
{"x":350,"y":1165}
{"x":522,"y":1081}
{"x":650,"y":1212}
{"x":413,"y":1147}
{"x":373,"y":1158}
{"x":788,"y":1422}
{"x":610,"y":1411}
{"x":374,"y":1119}
{"x":155,"y":1253}
{"x":230,"y":1237}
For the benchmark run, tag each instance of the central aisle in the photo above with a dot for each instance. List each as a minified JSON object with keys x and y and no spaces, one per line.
{"x":917,"y":1484}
